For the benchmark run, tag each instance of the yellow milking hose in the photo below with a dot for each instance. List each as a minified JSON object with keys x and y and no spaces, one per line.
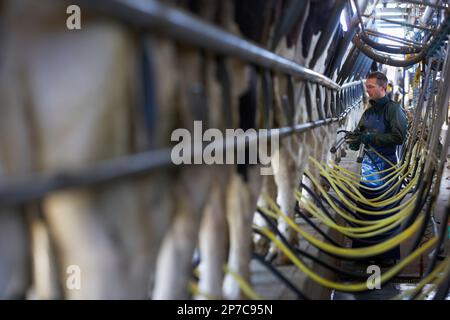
{"x":195,"y":291}
{"x":377,"y":201}
{"x":345,"y":173}
{"x":244,"y":285}
{"x":424,"y":281}
{"x":438,"y":280}
{"x":346,"y":252}
{"x":381,"y":156}
{"x":339,"y":286}
{"x":357,"y":177}
{"x":354,"y":207}
{"x":356,"y":183}
{"x":348,"y":217}
{"x":436,"y":283}
{"x":373,"y":202}
{"x":379,"y":222}
{"x":360,"y":232}
{"x":326,"y":174}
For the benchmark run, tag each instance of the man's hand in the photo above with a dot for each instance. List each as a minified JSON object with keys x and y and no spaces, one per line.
{"x":354,"y":146}
{"x":353,"y":140}
{"x":356,"y":138}
{"x":367,"y":138}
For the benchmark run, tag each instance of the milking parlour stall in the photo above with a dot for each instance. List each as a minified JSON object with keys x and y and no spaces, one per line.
{"x":208,"y":153}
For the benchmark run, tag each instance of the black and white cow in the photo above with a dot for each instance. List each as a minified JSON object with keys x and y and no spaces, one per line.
{"x":73,"y":98}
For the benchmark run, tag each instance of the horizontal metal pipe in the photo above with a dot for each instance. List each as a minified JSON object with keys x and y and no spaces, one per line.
{"x":352,"y":84}
{"x":187,"y":28}
{"x":389,"y":49}
{"x":19,"y":190}
{"x":385,"y":59}
{"x":16,"y":190}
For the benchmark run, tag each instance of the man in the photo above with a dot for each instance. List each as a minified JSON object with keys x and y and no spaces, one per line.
{"x":381,"y":129}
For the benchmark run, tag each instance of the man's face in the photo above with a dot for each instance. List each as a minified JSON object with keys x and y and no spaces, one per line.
{"x":374,"y":90}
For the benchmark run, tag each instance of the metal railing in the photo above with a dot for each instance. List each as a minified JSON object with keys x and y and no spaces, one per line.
{"x":184,"y":28}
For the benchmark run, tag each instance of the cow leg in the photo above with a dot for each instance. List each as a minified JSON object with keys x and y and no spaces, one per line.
{"x":269,"y":188}
{"x":213,"y":241}
{"x":46,"y":284}
{"x":86,"y":224}
{"x":79,"y":230}
{"x":174,"y":264}
{"x":241,"y":204}
{"x":240,"y":240}
{"x":287,"y":181}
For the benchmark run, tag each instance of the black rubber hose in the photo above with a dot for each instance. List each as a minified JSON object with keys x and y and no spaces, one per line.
{"x":344,"y":207}
{"x":423,"y":192}
{"x":443,"y":289}
{"x":313,"y":194}
{"x":317,"y":199}
{"x":315,"y":227}
{"x":387,"y":234}
{"x":304,"y":253}
{"x":441,"y":238}
{"x":298,"y":252}
{"x":320,"y":200}
{"x":300,"y":295}
{"x":424,"y":225}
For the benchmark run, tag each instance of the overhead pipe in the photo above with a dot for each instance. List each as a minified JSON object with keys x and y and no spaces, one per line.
{"x":385,"y":59}
{"x":388,"y":48}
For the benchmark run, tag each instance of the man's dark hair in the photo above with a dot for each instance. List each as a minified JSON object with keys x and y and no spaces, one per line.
{"x":382,"y":80}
